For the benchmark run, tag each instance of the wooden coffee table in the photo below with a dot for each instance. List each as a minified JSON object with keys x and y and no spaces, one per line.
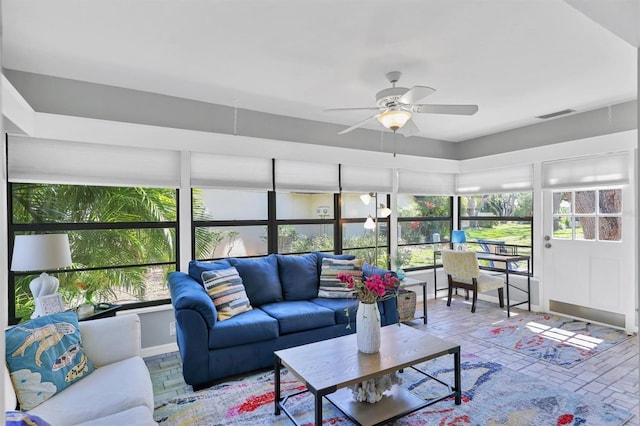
{"x":328,"y":367}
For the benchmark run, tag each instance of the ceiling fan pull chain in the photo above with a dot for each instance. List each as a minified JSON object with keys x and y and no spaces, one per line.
{"x":394,"y":144}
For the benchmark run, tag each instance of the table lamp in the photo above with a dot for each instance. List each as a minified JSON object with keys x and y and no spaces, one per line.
{"x":38,"y":253}
{"x":458,"y":238}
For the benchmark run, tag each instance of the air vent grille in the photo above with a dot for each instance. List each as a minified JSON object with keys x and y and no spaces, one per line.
{"x":555,"y":114}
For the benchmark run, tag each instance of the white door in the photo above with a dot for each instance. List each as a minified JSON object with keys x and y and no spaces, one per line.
{"x":588,"y":255}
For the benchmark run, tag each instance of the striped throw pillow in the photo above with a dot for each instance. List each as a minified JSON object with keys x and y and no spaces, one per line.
{"x":226,"y":289}
{"x":330,"y":286}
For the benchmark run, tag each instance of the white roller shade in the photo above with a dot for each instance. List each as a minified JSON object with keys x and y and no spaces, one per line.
{"x":227,"y":171}
{"x":510,"y":179}
{"x":306,"y":177}
{"x":612,"y":169}
{"x":424,"y":183}
{"x":50,"y":161}
{"x":366,"y":179}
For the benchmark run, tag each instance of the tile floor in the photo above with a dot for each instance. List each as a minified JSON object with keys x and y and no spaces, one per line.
{"x":611,"y":376}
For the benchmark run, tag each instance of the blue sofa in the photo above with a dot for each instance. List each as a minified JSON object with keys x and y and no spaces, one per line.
{"x":283,"y":291}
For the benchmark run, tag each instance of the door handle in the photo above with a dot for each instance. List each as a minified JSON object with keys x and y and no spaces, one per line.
{"x":547,"y":238}
{"x":548,"y":245}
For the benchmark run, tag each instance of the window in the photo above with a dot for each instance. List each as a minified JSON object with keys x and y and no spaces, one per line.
{"x":588,"y":215}
{"x":362,"y":242}
{"x":423,"y":223}
{"x":229,"y":223}
{"x":306,"y":222}
{"x":500,"y":222}
{"x":122,"y":239}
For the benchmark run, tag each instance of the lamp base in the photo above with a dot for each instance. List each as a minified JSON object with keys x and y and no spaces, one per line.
{"x":44,"y":285}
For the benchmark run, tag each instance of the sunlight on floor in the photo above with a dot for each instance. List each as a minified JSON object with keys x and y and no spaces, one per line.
{"x":578,"y":340}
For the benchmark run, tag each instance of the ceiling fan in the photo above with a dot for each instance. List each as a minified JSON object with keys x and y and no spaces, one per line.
{"x":397,"y":104}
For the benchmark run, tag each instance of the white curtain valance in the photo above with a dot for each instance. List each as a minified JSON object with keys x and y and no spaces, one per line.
{"x":227,"y":171}
{"x":509,"y":179}
{"x":612,"y":169}
{"x":425,"y":183}
{"x":366,"y":179}
{"x":306,"y":177}
{"x":62,"y":162}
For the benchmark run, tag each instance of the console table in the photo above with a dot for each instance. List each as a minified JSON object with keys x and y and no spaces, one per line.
{"x":503,"y":259}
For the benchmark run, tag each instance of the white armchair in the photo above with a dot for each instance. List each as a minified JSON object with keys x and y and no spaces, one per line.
{"x":463,"y":271}
{"x":118,"y":392}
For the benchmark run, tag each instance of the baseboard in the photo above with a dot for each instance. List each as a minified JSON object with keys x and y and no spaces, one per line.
{"x":159,"y":350}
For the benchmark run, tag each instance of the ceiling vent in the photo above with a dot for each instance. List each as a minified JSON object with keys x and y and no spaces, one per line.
{"x":555,"y":114}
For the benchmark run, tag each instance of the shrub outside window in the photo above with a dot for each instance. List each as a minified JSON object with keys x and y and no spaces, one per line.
{"x":306,"y":222}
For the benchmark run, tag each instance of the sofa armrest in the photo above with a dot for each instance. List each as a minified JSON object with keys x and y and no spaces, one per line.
{"x":187,"y":293}
{"x":391,"y":310}
{"x":109,"y":340}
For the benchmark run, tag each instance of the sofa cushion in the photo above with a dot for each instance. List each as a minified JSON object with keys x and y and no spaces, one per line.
{"x":338,"y":307}
{"x":248,"y":327}
{"x":299,"y":276}
{"x":299,"y":315}
{"x":110,"y":389}
{"x":320,"y":255}
{"x":227,"y":292}
{"x":330,"y":286}
{"x":260,"y":278}
{"x":45,"y":356}
{"x":197,"y":267}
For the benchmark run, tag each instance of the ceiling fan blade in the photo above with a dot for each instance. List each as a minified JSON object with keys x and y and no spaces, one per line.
{"x":354,"y":109}
{"x":415,"y":94}
{"x":355,"y":126}
{"x":446,"y":109}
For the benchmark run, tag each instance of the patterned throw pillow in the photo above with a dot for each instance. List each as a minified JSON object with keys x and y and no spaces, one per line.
{"x":227,"y":292}
{"x":45,"y":356}
{"x":330,"y":286}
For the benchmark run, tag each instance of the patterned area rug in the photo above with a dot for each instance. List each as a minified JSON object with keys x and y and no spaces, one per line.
{"x":492,"y":395}
{"x":562,"y":341}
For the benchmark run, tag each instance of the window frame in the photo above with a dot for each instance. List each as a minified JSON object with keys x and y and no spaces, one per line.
{"x":528,"y":219}
{"x":596,"y":215}
{"x":426,"y":219}
{"x":62,"y":227}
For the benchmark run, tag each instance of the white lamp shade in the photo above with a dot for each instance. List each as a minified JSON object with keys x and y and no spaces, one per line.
{"x":366,"y":198}
{"x":369,"y":223}
{"x":384,"y":211}
{"x":40,"y":252}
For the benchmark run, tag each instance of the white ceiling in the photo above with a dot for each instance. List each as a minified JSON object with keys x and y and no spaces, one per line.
{"x":514,"y":59}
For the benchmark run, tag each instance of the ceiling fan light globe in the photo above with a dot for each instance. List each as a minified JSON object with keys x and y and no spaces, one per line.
{"x":394,"y":119}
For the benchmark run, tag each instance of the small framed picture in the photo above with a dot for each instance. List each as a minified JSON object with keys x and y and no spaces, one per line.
{"x":50,"y":304}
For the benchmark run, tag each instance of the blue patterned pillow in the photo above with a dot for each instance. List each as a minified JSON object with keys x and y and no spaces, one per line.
{"x":44,"y":356}
{"x":227,"y":292}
